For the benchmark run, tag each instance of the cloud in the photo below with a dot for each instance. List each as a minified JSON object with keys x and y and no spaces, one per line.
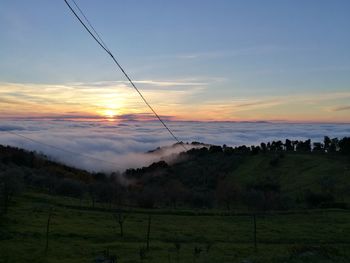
{"x":149,"y":84}
{"x":124,"y":144}
{"x":186,"y":99}
{"x":96,"y":98}
{"x":248,"y":51}
{"x":341,"y":108}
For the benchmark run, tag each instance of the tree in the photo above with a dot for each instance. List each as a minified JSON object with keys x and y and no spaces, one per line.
{"x":294,"y":145}
{"x":327,"y":143}
{"x":120,"y":218}
{"x":344,"y":145}
{"x":316,"y":199}
{"x":268,"y":146}
{"x":228,"y":150}
{"x":146,"y":198}
{"x":307,"y":145}
{"x":334,"y":145}
{"x":215,"y":149}
{"x":104,"y":192}
{"x":226,"y":192}
{"x":242,"y":149}
{"x":72,"y":188}
{"x":276,"y":146}
{"x":10,"y":184}
{"x":270,"y":189}
{"x":175,"y":191}
{"x":255,"y":149}
{"x":289,"y":146}
{"x":304,"y":146}
{"x":201,"y":199}
{"x":94,"y":192}
{"x":263,"y":147}
{"x":318,"y":147}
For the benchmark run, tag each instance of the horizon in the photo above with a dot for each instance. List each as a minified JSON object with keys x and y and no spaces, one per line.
{"x":125,"y":143}
{"x":147,"y":117}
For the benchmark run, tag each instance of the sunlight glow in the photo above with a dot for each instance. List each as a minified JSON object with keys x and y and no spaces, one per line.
{"x":109,"y":109}
{"x":112,"y":103}
{"x":110,"y":113}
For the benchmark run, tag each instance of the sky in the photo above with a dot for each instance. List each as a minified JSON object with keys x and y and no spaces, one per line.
{"x":198,"y":60}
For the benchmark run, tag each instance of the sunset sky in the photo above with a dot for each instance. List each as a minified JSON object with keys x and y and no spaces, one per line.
{"x":193,"y":60}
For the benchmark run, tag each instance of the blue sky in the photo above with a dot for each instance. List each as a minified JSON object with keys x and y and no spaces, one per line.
{"x":265,"y":53}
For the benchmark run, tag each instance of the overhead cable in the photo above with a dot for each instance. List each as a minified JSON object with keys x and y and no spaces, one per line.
{"x":62,"y":149}
{"x":93,"y":33}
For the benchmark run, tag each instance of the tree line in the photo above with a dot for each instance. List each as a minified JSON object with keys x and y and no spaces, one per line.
{"x":202,"y":180}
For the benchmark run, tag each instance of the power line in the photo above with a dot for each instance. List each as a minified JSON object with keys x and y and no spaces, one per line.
{"x":91,"y":26}
{"x":62,"y":149}
{"x":102,"y":44}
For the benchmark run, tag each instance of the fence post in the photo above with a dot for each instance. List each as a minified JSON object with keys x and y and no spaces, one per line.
{"x":255,"y":242}
{"x":47,"y":230}
{"x":148,"y":230}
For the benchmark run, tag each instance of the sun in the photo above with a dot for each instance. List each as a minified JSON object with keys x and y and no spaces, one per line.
{"x":110,"y":114}
{"x":109,"y":110}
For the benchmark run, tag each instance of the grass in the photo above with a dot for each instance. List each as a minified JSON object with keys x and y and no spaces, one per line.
{"x":81,"y":235}
{"x":296,"y":172}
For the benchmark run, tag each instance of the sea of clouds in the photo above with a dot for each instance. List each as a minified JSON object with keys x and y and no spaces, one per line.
{"x":122,"y":145}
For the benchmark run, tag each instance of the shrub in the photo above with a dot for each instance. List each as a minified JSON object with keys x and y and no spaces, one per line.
{"x":314,"y":200}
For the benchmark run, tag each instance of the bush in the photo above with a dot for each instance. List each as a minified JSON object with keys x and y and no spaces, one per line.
{"x":201,"y":200}
{"x":146,"y":199}
{"x":326,"y":252}
{"x":72,"y":188}
{"x":314,"y":200}
{"x":340,"y":205}
{"x":11,"y":183}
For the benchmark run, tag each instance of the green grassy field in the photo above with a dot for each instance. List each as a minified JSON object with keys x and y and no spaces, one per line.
{"x":298,"y":173}
{"x":79,"y":234}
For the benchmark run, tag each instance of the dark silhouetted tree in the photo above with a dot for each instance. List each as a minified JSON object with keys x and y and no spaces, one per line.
{"x":344,"y":145}
{"x":334,"y":145}
{"x":72,"y":188}
{"x":327,"y":143}
{"x":313,"y":199}
{"x":270,"y":188}
{"x":215,"y":149}
{"x":147,"y":197}
{"x":11,"y":183}
{"x":318,"y":147}
{"x":227,"y":192}
{"x":304,"y":146}
{"x":255,"y":149}
{"x":263,"y":147}
{"x":289,"y":146}
{"x":175,"y":191}
{"x":120,"y":218}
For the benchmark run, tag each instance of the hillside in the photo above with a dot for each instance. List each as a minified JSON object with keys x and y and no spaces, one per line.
{"x":251,"y":178}
{"x":273,"y":176}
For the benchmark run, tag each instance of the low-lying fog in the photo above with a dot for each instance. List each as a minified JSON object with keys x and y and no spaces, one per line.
{"x":124,"y":145}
